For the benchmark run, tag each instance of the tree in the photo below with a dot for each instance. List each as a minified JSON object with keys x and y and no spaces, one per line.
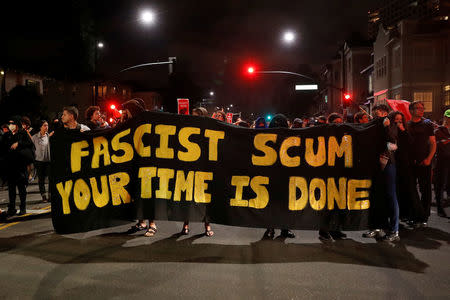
{"x":22,"y":100}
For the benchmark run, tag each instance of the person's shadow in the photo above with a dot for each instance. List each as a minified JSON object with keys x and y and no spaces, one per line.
{"x":116,"y":247}
{"x":119,"y":247}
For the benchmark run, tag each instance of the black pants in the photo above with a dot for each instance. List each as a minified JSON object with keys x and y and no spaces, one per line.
{"x":43,"y":171}
{"x":20,"y":183}
{"x":422,"y":175}
{"x":378,"y":210}
{"x":442,"y":179}
{"x":408,"y":196}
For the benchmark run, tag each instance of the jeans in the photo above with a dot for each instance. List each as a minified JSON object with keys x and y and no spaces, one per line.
{"x":389,"y":173}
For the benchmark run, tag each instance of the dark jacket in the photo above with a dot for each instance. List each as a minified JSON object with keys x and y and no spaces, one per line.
{"x":92,"y":125}
{"x":23,"y":154}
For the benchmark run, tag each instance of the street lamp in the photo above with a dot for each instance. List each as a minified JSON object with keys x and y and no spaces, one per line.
{"x":147,"y":17}
{"x":100,"y":45}
{"x":288,"y":37}
{"x":211,"y":93}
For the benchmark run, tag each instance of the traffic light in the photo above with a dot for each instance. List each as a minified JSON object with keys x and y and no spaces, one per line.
{"x":269,"y":117}
{"x":250,"y":70}
{"x":115,"y":112}
{"x":347,"y":100}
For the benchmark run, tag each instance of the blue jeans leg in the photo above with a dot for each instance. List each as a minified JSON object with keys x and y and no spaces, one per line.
{"x":391,"y":194}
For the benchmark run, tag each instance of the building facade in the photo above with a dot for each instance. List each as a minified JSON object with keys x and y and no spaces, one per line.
{"x":57,"y":93}
{"x":390,"y":12}
{"x":412,"y":62}
{"x":343,"y":76}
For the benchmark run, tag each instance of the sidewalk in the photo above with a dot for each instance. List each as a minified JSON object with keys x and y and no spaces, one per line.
{"x":35,"y":206}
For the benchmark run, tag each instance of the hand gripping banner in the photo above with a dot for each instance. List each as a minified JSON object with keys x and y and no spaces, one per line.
{"x":179,"y":167}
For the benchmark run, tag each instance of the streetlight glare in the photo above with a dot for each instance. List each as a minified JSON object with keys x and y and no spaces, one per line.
{"x":147,"y":17}
{"x":100,"y":45}
{"x":288,"y":37}
{"x":211,"y":93}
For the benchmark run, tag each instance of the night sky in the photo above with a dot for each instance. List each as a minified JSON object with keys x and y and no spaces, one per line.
{"x":211,"y":39}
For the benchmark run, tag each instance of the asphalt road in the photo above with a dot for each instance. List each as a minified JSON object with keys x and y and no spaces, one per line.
{"x":233,"y":264}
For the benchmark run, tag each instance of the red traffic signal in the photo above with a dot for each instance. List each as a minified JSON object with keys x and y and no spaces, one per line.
{"x":347,"y":99}
{"x":113,"y":107}
{"x":250,"y":70}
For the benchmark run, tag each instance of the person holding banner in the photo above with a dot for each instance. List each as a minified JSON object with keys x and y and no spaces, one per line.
{"x":219,"y":115}
{"x":382,"y":183}
{"x":130,"y":109}
{"x":69,"y":119}
{"x":279,"y":121}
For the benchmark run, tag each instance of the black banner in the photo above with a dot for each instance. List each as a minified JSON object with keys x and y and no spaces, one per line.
{"x":174,"y":167}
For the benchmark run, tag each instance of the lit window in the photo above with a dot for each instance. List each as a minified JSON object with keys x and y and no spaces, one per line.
{"x":447,"y":95}
{"x":426,"y":98}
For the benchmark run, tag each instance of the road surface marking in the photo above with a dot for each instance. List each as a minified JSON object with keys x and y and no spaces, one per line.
{"x":8,"y":225}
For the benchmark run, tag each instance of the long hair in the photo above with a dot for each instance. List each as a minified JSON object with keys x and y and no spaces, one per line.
{"x":392,"y":116}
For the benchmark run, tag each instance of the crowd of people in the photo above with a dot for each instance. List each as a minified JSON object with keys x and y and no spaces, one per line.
{"x":402,"y":184}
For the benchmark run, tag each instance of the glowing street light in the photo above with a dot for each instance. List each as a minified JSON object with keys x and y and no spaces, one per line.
{"x":211,"y":93}
{"x":100,"y":45}
{"x":289,"y":37}
{"x":148,"y":17}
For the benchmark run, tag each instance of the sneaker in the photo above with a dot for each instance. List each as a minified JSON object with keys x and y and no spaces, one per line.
{"x":392,"y":237}
{"x":269,"y":234}
{"x":325,"y":236}
{"x":338,"y":235}
{"x":287,"y":233}
{"x":372,"y":233}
